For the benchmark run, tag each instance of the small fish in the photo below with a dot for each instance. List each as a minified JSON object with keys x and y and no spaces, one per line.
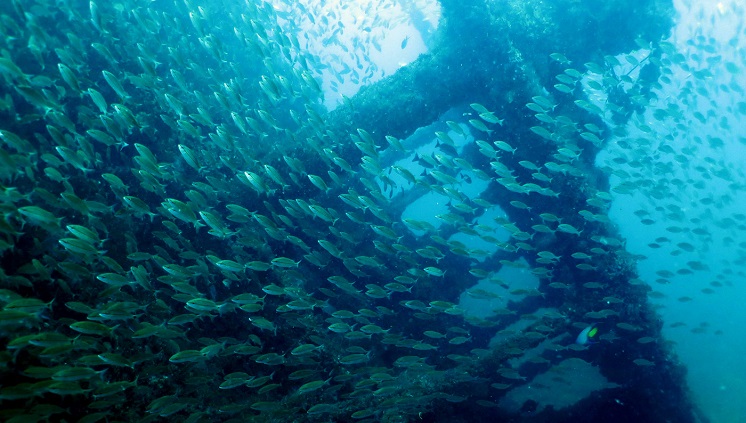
{"x":434,"y":271}
{"x":477,"y":124}
{"x":187,"y":356}
{"x":304,"y":349}
{"x":559,"y":57}
{"x":69,"y":77}
{"x":404,"y":42}
{"x":115,"y":85}
{"x":584,"y":337}
{"x":311,"y":386}
{"x":318,"y":182}
{"x":284,"y":262}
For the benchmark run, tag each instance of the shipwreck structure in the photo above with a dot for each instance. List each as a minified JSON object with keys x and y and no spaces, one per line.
{"x":497,"y":53}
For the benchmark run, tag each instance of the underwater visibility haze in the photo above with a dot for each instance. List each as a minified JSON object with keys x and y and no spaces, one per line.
{"x":372,"y":211}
